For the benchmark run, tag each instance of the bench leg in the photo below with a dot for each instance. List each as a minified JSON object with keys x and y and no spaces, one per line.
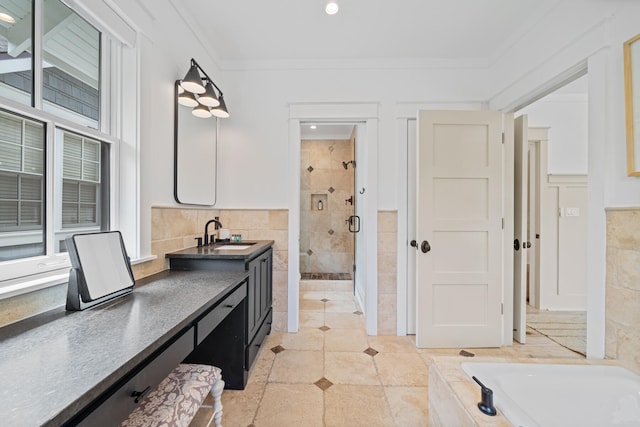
{"x":216,"y":392}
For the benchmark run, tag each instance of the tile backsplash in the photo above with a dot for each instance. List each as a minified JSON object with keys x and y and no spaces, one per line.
{"x":175,"y":228}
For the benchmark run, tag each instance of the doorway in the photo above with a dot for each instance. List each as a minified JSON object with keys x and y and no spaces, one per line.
{"x":567,"y":94}
{"x":557,"y":226}
{"x":328,"y":223}
{"x":365,"y":201}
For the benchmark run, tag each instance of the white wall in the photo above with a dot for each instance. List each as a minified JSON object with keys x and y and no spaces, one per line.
{"x":167,"y":43}
{"x":574,"y":32}
{"x":254,"y":139}
{"x":253,"y":142}
{"x":578,"y":34}
{"x":566,"y":116}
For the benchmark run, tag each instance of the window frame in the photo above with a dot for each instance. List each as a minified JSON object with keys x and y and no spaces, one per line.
{"x":28,"y":274}
{"x":51,"y":264}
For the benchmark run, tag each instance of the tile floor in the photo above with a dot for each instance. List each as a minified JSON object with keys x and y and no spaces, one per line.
{"x":331,"y":373}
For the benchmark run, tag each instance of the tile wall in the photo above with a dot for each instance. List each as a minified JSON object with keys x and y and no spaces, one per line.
{"x":326,"y":245}
{"x":387,"y":272}
{"x":176,"y":228}
{"x":622,"y":310}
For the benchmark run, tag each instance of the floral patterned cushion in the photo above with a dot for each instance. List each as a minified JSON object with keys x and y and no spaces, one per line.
{"x":175,"y":401}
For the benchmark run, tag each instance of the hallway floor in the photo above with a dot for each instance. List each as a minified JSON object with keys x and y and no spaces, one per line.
{"x":567,"y":328}
{"x":331,"y":373}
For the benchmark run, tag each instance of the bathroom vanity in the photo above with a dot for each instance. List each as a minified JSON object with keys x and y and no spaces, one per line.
{"x":84,"y":367}
{"x":254,"y":257}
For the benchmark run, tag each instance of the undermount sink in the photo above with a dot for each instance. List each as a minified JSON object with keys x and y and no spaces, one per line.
{"x":235,"y":247}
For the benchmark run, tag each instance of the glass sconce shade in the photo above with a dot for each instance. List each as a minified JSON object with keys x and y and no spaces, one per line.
{"x":192,"y":81}
{"x":187,"y":99}
{"x":201,"y":111}
{"x":209,"y":97}
{"x":221,"y":110}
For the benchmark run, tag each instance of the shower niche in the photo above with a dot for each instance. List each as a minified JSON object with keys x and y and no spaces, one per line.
{"x":319,"y":202}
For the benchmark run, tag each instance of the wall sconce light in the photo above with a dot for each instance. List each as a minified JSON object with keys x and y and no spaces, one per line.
{"x":199,"y":93}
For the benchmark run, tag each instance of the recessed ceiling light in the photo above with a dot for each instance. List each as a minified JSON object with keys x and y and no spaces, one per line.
{"x":331,"y":8}
{"x":7,"y":18}
{"x":312,"y":126}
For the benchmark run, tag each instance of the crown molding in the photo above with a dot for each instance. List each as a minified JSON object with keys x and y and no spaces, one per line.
{"x":353,"y":64}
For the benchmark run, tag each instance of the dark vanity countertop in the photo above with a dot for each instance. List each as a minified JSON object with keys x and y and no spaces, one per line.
{"x":54,"y":364}
{"x":212,"y":252}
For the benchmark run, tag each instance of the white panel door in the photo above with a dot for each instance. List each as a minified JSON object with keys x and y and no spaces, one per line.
{"x":520,"y":242}
{"x":459,"y":229}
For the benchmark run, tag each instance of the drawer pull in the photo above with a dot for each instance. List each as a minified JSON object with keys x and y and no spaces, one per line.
{"x":228,"y":305}
{"x":139,"y":395}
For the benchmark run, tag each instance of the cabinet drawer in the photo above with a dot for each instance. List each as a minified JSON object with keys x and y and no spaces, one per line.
{"x":120,"y":403}
{"x":208,"y":323}
{"x":254,"y":346}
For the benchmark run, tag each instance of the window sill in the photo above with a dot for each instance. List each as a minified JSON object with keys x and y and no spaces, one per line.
{"x":143,"y":259}
{"x":27,"y":286}
{"x":52,"y":279}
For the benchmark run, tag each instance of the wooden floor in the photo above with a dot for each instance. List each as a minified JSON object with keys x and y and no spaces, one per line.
{"x":567,"y":328}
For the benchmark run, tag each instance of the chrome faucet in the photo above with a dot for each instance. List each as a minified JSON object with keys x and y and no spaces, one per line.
{"x":218,"y":225}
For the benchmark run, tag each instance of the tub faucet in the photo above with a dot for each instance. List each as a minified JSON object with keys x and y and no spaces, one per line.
{"x":218,"y":225}
{"x":486,"y":402}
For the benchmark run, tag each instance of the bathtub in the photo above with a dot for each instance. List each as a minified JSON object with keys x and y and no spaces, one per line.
{"x":544,"y":395}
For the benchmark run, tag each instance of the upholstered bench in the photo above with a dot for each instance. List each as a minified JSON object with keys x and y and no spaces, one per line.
{"x":175,"y":401}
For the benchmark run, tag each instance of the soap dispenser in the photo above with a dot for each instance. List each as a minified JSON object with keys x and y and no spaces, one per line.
{"x":320,"y":205}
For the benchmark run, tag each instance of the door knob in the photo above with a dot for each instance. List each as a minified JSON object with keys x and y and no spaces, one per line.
{"x":425,"y":247}
{"x":414,"y":244}
{"x":528,"y":245}
{"x":516,"y":245}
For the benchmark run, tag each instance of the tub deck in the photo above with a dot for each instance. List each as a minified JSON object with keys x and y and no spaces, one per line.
{"x":453,"y":395}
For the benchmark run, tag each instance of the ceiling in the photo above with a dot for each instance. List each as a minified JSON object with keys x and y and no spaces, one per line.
{"x":286,"y":30}
{"x":326,"y":131}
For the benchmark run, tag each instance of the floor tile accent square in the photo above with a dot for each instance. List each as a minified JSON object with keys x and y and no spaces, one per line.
{"x":324,"y":328}
{"x":278,"y":349}
{"x":371,"y":352}
{"x":323,"y":383}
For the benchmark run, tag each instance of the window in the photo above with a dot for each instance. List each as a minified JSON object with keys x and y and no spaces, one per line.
{"x":16,"y":59}
{"x":55,"y":152}
{"x":81,"y":181}
{"x":70,"y":65}
{"x":84,"y":205}
{"x":22,"y":177}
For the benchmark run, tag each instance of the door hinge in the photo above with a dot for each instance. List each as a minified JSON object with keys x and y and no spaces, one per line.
{"x":503,"y":223}
{"x":501,"y":308}
{"x":354,"y":268}
{"x":503,"y":137}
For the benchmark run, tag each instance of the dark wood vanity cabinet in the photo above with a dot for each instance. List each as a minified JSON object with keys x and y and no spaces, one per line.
{"x":259,"y":300}
{"x":259,"y":264}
